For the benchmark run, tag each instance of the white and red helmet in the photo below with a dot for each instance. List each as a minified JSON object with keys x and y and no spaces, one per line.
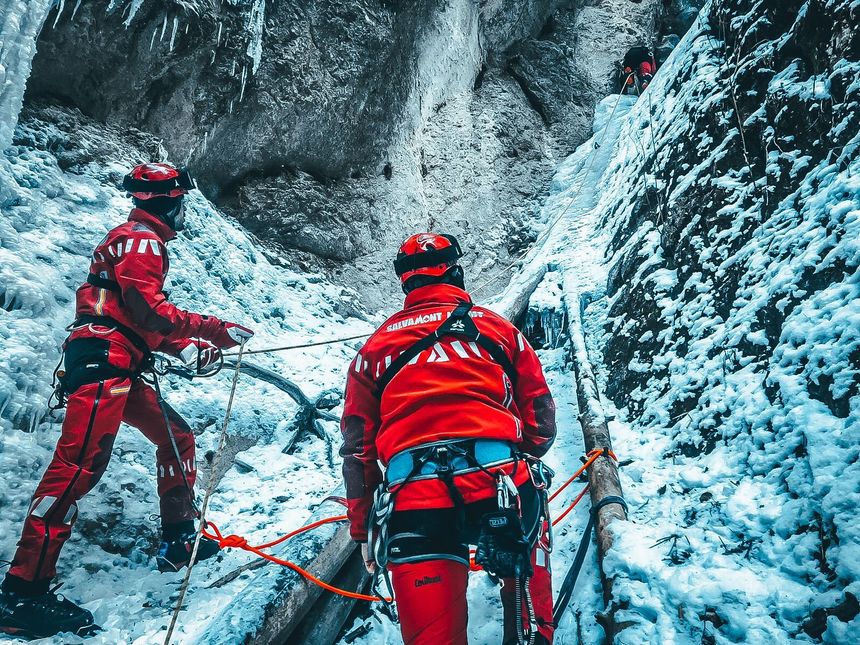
{"x":150,"y":180}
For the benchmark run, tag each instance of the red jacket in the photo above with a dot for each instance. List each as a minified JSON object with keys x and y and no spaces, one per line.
{"x":453,"y":390}
{"x":132,"y":259}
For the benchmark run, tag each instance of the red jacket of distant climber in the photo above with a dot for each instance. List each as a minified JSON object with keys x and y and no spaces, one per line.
{"x":133,"y":257}
{"x":453,"y":390}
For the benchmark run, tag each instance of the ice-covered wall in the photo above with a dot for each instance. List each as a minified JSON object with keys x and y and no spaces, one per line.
{"x":20,"y":24}
{"x":732,"y":210}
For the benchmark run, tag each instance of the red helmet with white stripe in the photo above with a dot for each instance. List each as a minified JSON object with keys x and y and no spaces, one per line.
{"x":427,"y":254}
{"x":151,"y":180}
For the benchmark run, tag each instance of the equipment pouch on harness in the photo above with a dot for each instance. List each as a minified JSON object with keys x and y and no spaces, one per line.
{"x":86,"y":361}
{"x":503,"y":550}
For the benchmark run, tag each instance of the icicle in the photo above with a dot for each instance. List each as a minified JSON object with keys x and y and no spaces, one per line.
{"x":163,"y":27}
{"x":152,"y":41}
{"x":256,"y":20}
{"x":20,"y":25}
{"x":242,"y":86}
{"x":230,"y":109}
{"x":187,"y":25}
{"x":188,"y":158}
{"x":212,"y":60}
{"x":75,"y":10}
{"x":233,"y":70}
{"x":173,"y":35}
{"x":60,"y":7}
{"x":218,"y":38}
{"x":132,"y":12}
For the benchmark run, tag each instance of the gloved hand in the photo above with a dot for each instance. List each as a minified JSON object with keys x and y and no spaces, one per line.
{"x":199,"y":354}
{"x":224,"y":334}
{"x":238,"y":333}
{"x":369,"y":562}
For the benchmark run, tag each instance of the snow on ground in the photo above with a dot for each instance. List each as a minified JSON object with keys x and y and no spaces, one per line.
{"x":51,"y":221}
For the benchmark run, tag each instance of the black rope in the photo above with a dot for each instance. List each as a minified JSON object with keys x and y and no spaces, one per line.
{"x":179,"y":463}
{"x":566,"y":591}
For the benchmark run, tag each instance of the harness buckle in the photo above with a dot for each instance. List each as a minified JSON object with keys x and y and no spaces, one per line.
{"x":443,"y":462}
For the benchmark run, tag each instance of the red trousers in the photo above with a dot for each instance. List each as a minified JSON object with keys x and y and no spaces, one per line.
{"x":92,"y":419}
{"x":431,"y":600}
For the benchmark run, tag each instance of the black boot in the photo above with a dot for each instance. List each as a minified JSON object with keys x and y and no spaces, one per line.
{"x":177,"y":544}
{"x":27,"y":613}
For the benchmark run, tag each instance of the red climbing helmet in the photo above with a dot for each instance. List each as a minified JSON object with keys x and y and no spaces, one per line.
{"x":150,"y":180}
{"x":428,"y":254}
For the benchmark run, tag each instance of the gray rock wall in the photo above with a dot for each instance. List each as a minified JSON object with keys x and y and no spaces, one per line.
{"x":358,"y":122}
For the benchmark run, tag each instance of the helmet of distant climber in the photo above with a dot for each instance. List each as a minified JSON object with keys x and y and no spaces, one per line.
{"x":123,"y":316}
{"x":451,"y":399}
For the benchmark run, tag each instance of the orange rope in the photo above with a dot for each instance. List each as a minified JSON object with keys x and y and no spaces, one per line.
{"x":572,"y":506}
{"x":591,"y":457}
{"x":238,"y":542}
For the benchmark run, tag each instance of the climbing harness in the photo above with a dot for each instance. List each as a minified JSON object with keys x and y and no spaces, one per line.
{"x":459,"y":323}
{"x":504,"y":547}
{"x":88,"y":358}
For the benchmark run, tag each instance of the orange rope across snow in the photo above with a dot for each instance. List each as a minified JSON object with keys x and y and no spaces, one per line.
{"x":238,"y":542}
{"x":590,"y":458}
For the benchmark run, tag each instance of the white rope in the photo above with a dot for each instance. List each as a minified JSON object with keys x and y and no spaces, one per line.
{"x":209,"y":488}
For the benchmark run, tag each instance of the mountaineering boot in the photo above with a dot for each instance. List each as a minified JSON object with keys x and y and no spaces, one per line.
{"x":43,"y":615}
{"x":645,"y":81}
{"x":176,"y":546}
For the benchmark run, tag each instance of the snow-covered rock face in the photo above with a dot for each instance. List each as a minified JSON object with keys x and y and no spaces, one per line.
{"x":733,"y":329}
{"x":336,"y":128}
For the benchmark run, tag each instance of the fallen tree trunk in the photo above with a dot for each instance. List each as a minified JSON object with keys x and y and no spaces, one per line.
{"x":603,"y":474}
{"x":512,"y":304}
{"x":273,"y":603}
{"x":323,"y":623}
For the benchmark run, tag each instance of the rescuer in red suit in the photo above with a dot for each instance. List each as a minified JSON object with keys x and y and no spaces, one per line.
{"x":639,"y":66}
{"x":451,"y":399}
{"x":122,"y":316}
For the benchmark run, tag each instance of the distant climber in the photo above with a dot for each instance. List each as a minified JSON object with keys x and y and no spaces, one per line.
{"x":639,"y":68}
{"x":451,"y":399}
{"x":123,"y":315}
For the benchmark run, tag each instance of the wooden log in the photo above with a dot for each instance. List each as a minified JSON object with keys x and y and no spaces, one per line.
{"x":274,"y":601}
{"x":324,"y":622}
{"x":603,"y":474}
{"x":512,"y":304}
